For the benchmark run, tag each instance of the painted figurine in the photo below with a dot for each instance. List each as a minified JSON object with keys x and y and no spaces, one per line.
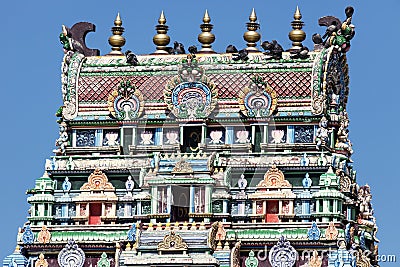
{"x":322,"y":135}
{"x":62,"y":141}
{"x":342,"y":135}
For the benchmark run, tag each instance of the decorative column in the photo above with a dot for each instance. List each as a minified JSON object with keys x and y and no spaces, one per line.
{"x":290,"y":135}
{"x":241,"y":207}
{"x":265,"y":134}
{"x":264,"y":203}
{"x":306,"y":206}
{"x":224,"y":208}
{"x":154,"y":202}
{"x":191,"y":204}
{"x":50,"y":209}
{"x":229,"y":135}
{"x":139,"y":207}
{"x":103,"y":209}
{"x":253,"y":135}
{"x":254,"y":210}
{"x":208,"y":193}
{"x":181,"y":135}
{"x":64,"y":210}
{"x":203,"y":133}
{"x":99,"y":137}
{"x":73,"y":138}
{"x":169,"y":198}
{"x":158,"y":136}
{"x":128,"y":209}
{"x":280,"y":207}
{"x":332,"y":141}
{"x":349,"y":214}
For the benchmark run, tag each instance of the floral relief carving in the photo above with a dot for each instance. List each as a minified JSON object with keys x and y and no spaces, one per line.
{"x":274,"y":178}
{"x":97,"y":181}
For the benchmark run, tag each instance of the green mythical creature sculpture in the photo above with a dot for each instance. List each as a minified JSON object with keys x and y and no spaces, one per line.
{"x":342,"y":37}
{"x":337,"y":34}
{"x":73,"y":39}
{"x":65,"y":40}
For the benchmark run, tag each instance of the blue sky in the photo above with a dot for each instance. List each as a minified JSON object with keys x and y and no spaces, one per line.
{"x":31,"y":89}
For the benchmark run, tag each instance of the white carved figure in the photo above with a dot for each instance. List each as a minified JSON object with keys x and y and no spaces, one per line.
{"x":66,"y":185}
{"x":146,"y":138}
{"x":62,"y":141}
{"x":277,"y":136}
{"x":322,"y":135}
{"x":112,"y":139}
{"x":242,"y":137}
{"x":48,"y":165}
{"x":172,"y":138}
{"x":129,"y":185}
{"x":216,"y":137}
{"x":242,"y":182}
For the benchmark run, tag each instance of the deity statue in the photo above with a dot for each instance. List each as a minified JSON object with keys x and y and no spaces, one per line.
{"x":62,"y":141}
{"x":129,"y":185}
{"x":364,"y":196}
{"x":322,"y":135}
{"x":66,"y":185}
{"x":342,"y":135}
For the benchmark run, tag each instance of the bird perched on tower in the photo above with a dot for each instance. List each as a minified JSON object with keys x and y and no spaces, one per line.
{"x":179,"y":48}
{"x":131,"y":58}
{"x":192,"y":49}
{"x":274,"y":50}
{"x":241,"y":55}
{"x":231,"y":49}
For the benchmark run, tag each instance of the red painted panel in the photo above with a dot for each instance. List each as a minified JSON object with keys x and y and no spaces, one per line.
{"x":272,"y":211}
{"x":95,"y":213}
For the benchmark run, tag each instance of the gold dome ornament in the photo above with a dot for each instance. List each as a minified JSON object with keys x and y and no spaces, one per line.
{"x":252,"y":36}
{"x":161,"y":39}
{"x":117,"y":40}
{"x":297,"y":35}
{"x":206,"y":38}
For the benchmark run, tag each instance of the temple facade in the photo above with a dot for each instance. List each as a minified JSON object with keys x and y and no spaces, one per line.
{"x":201,"y":158}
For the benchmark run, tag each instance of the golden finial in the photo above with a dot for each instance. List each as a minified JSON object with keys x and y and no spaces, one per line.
{"x":162,"y":19}
{"x":206,"y":38}
{"x":253,"y":16}
{"x":297,"y":35}
{"x":206,"y":18}
{"x":118,"y":21}
{"x":161,"y":39}
{"x":252,"y":36}
{"x":297,"y":14}
{"x":117,"y":40}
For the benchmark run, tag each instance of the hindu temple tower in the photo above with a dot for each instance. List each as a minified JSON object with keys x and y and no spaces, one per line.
{"x":202,"y":158}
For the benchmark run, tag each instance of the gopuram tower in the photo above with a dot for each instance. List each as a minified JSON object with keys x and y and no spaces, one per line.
{"x":196,"y":157}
